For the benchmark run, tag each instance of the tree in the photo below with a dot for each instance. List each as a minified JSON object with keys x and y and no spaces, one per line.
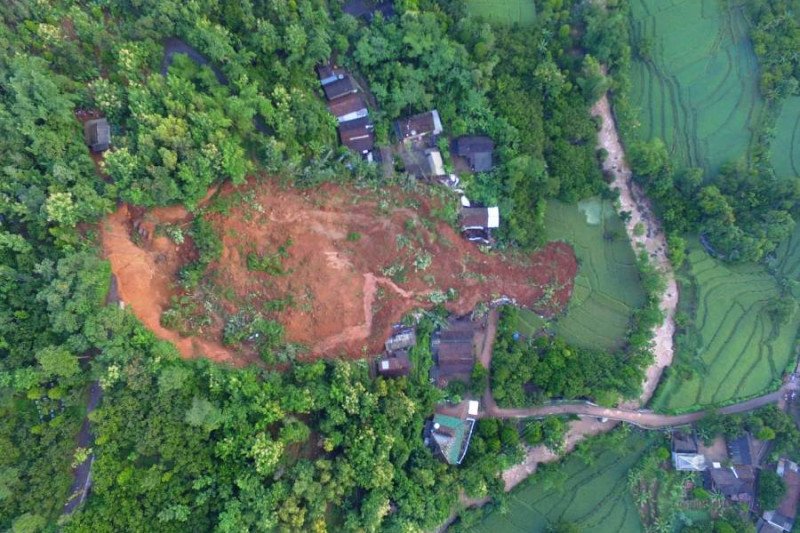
{"x":771,"y":489}
{"x":57,"y":362}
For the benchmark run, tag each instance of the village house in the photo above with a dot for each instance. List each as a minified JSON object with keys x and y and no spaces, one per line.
{"x":416,"y":127}
{"x":685,"y":456}
{"x":339,"y":88}
{"x":348,"y":108}
{"x":368,"y":8}
{"x":450,"y":435}
{"x":356,"y":131}
{"x":396,"y":362}
{"x":737,"y":482}
{"x":783,"y":518}
{"x":476,"y":150}
{"x":453,"y":349}
{"x":98,"y":134}
{"x":328,"y":74}
{"x":358,"y":135}
{"x":477,"y":223}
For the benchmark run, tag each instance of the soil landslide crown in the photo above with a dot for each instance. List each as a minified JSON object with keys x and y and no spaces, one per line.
{"x":336,"y":266}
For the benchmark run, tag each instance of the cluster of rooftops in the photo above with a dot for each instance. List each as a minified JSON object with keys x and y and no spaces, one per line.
{"x":453,"y":347}
{"x":732,"y":468}
{"x":418,"y":149}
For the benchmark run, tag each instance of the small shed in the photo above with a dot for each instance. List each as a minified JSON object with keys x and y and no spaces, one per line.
{"x":477,"y":150}
{"x":418,"y":126}
{"x":480,"y":218}
{"x":339,"y":88}
{"x":98,"y":134}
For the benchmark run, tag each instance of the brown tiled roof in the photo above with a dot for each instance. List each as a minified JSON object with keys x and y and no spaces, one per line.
{"x":358,"y":139}
{"x":418,"y":125}
{"x":456,"y":354}
{"x":347,"y":104}
{"x":395,"y":365}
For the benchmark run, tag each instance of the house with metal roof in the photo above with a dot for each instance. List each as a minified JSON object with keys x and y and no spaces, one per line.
{"x":685,"y":456}
{"x":451,"y":436}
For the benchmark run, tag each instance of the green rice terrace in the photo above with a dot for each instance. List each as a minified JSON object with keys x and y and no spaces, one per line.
{"x":785,"y":146}
{"x":695,"y":79}
{"x":504,"y":11}
{"x":733,"y":343}
{"x":593,"y":495}
{"x":607,"y":287}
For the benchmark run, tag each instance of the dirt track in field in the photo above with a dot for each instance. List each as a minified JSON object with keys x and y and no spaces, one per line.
{"x":341,"y":245}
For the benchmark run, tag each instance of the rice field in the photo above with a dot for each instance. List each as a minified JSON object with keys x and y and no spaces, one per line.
{"x":503,"y":11}
{"x":740,"y":349}
{"x":785,"y":146}
{"x":695,"y":79}
{"x":594,"y":497}
{"x":607,"y":287}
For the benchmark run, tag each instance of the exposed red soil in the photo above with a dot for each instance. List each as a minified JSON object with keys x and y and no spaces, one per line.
{"x":344,"y":305}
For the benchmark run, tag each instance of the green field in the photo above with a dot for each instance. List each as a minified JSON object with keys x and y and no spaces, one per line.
{"x":785,"y":146}
{"x":607,"y":287}
{"x":740,"y":349}
{"x":595,"y":497}
{"x":503,"y":11}
{"x":698,"y":88}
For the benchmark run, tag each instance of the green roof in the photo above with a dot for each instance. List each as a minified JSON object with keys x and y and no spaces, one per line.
{"x":452,"y":436}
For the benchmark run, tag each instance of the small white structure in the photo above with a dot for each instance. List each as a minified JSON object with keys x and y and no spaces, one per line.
{"x":472,"y":408}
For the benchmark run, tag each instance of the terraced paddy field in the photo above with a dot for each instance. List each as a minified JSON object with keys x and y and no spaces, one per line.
{"x":607,"y":287}
{"x":698,"y":86}
{"x":740,"y":350}
{"x":594,"y":497}
{"x":504,"y":11}
{"x":785,"y":147}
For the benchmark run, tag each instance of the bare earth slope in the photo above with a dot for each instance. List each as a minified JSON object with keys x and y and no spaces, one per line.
{"x":355,"y":262}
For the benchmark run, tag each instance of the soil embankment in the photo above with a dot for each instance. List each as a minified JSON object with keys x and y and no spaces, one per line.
{"x":347,"y":265}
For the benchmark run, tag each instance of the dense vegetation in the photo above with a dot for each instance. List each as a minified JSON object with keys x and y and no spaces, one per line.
{"x":190,"y":445}
{"x":531,"y":370}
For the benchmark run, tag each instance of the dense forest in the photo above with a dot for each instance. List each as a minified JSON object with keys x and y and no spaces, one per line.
{"x":189,"y":445}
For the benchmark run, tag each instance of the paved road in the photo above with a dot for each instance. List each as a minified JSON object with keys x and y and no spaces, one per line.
{"x":83,"y":473}
{"x":640,"y":417}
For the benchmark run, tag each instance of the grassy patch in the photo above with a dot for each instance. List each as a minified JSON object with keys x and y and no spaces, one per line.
{"x":607,"y":287}
{"x":591,"y":494}
{"x":695,"y":79}
{"x":785,"y":146}
{"x":504,"y":11}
